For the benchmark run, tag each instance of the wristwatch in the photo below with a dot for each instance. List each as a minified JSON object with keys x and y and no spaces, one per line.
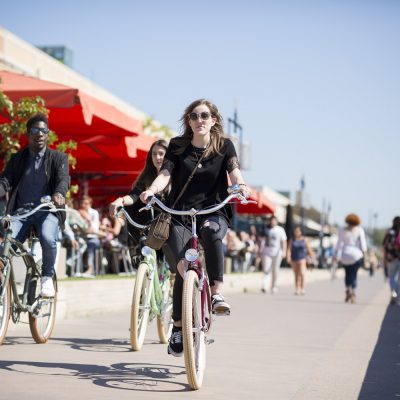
{"x":58,"y":194}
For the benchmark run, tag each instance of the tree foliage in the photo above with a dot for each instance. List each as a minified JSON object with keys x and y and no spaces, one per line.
{"x":154,"y":128}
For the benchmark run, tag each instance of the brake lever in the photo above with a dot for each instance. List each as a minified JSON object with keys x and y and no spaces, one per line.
{"x":148,"y":206}
{"x":243,"y":199}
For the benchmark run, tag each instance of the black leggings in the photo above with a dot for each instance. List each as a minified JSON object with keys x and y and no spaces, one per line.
{"x":211,"y":240}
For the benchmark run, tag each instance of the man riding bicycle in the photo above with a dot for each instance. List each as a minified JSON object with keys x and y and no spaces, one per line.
{"x":32,"y":173}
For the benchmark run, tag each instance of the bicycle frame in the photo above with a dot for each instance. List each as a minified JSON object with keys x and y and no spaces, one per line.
{"x":192,"y":254}
{"x":152,"y":283}
{"x":9,"y":251}
{"x":41,"y":309}
{"x":21,"y":303}
{"x":196,"y":296}
{"x":150,"y":258}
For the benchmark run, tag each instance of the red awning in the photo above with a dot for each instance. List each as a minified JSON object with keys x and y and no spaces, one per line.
{"x":111,"y":145}
{"x":263,"y":207}
{"x":124,"y":155}
{"x":85,"y":115}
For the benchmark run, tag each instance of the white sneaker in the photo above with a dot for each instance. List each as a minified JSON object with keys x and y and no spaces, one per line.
{"x":47,"y":287}
{"x":219,"y":306}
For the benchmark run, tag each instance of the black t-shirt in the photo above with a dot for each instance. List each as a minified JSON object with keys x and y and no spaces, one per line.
{"x":209,"y":183}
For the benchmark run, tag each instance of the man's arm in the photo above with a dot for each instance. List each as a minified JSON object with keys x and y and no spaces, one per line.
{"x":62,"y":180}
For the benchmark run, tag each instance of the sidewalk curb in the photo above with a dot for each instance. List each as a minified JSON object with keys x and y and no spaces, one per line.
{"x":81,"y":298}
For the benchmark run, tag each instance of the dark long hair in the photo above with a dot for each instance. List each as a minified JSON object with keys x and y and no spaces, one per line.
{"x":216,"y":132}
{"x":396,"y":223}
{"x":149,"y":172}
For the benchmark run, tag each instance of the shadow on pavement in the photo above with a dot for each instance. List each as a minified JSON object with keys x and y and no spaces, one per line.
{"x":133,"y":376}
{"x":83,"y":344}
{"x":382,"y":379}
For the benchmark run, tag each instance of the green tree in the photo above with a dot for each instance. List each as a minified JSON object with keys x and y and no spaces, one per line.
{"x":156,"y":129}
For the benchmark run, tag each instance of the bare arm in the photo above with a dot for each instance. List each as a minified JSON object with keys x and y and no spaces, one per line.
{"x":289,"y":252}
{"x":284,"y":247}
{"x":237,"y":179}
{"x":158,"y":185}
{"x":119,"y":202}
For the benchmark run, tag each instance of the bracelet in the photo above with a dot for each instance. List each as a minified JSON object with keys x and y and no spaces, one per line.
{"x":59,"y":195}
{"x":241,"y":184}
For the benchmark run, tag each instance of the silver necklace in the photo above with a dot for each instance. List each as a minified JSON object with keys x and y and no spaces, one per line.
{"x":200,"y":165}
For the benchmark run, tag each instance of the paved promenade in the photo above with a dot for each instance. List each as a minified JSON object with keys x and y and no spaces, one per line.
{"x":274,"y":347}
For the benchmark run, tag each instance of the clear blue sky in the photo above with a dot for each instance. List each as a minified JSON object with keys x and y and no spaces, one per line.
{"x":316,"y":83}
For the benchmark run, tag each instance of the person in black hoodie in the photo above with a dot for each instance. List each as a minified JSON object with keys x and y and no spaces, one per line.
{"x":32,"y":173}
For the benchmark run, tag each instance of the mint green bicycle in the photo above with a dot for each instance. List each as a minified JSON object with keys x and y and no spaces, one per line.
{"x":152,"y":294}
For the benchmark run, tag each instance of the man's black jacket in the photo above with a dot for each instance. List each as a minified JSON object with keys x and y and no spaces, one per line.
{"x":56,"y":169}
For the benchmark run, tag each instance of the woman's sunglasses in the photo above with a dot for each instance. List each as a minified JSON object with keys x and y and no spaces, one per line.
{"x":203,"y":116}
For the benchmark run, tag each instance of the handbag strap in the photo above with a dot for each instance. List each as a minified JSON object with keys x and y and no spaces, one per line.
{"x":189,"y":179}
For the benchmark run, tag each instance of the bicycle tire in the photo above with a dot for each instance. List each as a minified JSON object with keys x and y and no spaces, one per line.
{"x":42,"y":324}
{"x":164,"y":320}
{"x":194,"y":345}
{"x":5,"y":307}
{"x":140,"y":309}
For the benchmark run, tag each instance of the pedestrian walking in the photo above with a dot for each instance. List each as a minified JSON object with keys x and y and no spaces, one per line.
{"x":349,"y":252}
{"x":298,"y":252}
{"x":272,"y":250}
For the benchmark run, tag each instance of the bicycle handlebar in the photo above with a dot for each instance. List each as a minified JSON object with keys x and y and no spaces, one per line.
{"x":234,"y":195}
{"x":51,"y":207}
{"x":129,"y":219}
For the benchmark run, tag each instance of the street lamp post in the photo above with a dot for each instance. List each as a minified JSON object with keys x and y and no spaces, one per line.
{"x":302,"y":187}
{"x":236,"y":127}
{"x":321,"y":258}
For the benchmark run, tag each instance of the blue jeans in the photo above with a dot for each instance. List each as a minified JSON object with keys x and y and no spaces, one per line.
{"x":48,"y":231}
{"x":350,"y":279}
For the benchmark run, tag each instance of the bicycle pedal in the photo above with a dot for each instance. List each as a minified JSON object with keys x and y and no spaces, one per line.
{"x":222,"y":313}
{"x":210,"y":340}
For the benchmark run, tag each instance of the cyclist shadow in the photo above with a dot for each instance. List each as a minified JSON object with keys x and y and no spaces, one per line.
{"x":83,"y":344}
{"x":122,"y":376}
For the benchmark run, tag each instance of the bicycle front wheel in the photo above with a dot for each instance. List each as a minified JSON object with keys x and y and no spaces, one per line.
{"x":43,"y":315}
{"x":194,"y":345}
{"x":140,"y":309}
{"x":164,"y":320}
{"x":5,"y":305}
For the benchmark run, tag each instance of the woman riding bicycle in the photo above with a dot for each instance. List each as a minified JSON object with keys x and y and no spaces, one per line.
{"x":202,"y":144}
{"x":154,"y":160}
